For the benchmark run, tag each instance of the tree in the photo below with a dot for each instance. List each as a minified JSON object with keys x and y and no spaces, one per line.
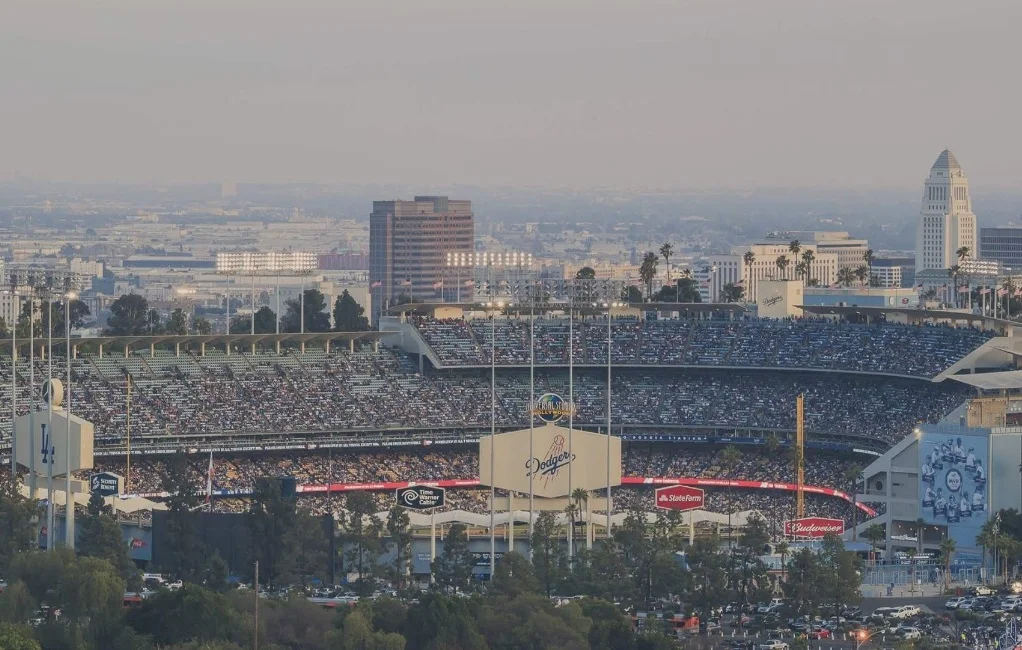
{"x":440,"y":621}
{"x":548,"y":556}
{"x":514,"y":575}
{"x":453,"y":568}
{"x":875,"y":534}
{"x":782,"y":548}
{"x":349,"y":316}
{"x":184,"y":556}
{"x":782,"y":266}
{"x":17,"y":637}
{"x":803,"y":584}
{"x":17,"y":530}
{"x":749,"y":258}
{"x":795,"y":247}
{"x":869,"y":258}
{"x":647,"y":272}
{"x":80,"y":313}
{"x":177,"y":323}
{"x":271,"y":519}
{"x":585,"y":273}
{"x":316,"y":317}
{"x":399,"y":531}
{"x":361,"y":532}
{"x":845,"y":276}
{"x":192,"y":613}
{"x":808,"y":256}
{"x":309,"y":541}
{"x":947,"y":551}
{"x":840,"y":573}
{"x":101,"y":538}
{"x":129,"y":316}
{"x":666,"y":251}
{"x":612,"y":629}
{"x":631,"y":294}
{"x":648,"y":552}
{"x":202,"y":326}
{"x":732,"y":293}
{"x":708,"y":569}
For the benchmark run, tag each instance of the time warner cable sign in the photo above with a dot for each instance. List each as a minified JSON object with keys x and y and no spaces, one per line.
{"x":420,"y":497}
{"x":552,"y":455}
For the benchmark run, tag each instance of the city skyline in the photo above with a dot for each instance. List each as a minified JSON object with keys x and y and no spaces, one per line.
{"x":788,"y":93}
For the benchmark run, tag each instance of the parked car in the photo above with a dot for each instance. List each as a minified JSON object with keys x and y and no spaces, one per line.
{"x":910,"y":632}
{"x":818,"y":634}
{"x":954,"y":603}
{"x":905,"y":611}
{"x":773,"y":644}
{"x":982,"y":590}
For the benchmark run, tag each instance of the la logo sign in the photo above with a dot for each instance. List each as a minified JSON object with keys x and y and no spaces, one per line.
{"x":814,"y":527}
{"x":679,"y":497}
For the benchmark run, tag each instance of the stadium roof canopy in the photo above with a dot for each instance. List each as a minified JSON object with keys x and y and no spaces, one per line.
{"x":1008,"y":380}
{"x":214,"y":340}
{"x":911,"y":314}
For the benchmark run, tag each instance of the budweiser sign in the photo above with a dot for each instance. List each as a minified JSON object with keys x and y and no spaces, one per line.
{"x":814,"y":527}
{"x":679,"y":497}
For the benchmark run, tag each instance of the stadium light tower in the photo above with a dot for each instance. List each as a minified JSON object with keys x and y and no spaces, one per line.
{"x":610,"y":307}
{"x":293,"y":264}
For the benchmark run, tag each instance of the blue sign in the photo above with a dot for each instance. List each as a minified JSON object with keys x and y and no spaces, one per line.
{"x":953,"y":484}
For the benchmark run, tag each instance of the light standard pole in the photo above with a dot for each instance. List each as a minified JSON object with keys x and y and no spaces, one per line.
{"x":16,"y":307}
{"x":49,"y":396}
{"x":69,"y":507}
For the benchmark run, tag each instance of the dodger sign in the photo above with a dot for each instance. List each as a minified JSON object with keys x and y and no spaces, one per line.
{"x":814,"y":527}
{"x":679,"y":497}
{"x":421,"y":497}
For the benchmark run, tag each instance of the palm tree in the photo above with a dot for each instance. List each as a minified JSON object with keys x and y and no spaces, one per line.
{"x":954,"y":272}
{"x":947,"y":551}
{"x":861,"y":274}
{"x":647,"y":271}
{"x":963,"y":254}
{"x":795,"y":247}
{"x":782,"y":549}
{"x":800,"y":270}
{"x":749,"y":258}
{"x":807,"y":260}
{"x":782,"y":265}
{"x":845,"y":276}
{"x":1009,"y":293}
{"x":868,"y":257}
{"x":874,"y":535}
{"x":666,"y":251}
{"x":987,"y":538}
{"x":729,"y":459}
{"x":731,"y":292}
{"x":580,"y":497}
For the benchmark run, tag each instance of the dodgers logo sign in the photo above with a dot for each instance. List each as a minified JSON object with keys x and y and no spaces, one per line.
{"x":546,"y":469}
{"x":552,"y":408}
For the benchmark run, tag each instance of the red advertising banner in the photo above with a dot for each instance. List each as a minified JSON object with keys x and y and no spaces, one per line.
{"x":814,"y":527}
{"x":679,"y":497}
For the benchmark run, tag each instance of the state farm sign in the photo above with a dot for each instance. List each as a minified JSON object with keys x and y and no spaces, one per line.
{"x":679,"y":497}
{"x":814,"y":527}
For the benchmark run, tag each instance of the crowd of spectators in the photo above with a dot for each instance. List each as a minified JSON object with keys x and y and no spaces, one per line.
{"x":381,"y":390}
{"x":920,"y":351}
{"x":239,"y":472}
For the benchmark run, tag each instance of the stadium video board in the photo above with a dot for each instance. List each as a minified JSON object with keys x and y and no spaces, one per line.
{"x":953,"y":483}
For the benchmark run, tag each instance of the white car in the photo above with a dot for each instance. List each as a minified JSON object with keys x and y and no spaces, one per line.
{"x":905,"y":611}
{"x":773,"y":644}
{"x":954,"y":603}
{"x":983,"y":590}
{"x":910,"y":632}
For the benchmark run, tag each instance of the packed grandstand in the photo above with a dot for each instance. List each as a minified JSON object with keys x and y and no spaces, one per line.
{"x":376,"y":415}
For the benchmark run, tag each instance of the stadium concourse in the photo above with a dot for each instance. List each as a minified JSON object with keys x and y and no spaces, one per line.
{"x":704,"y":381}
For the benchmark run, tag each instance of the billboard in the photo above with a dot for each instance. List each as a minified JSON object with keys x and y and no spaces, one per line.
{"x":679,"y":497}
{"x":554,"y":455}
{"x":953,"y":483}
{"x":814,"y":527}
{"x":420,"y":497}
{"x":106,"y":484}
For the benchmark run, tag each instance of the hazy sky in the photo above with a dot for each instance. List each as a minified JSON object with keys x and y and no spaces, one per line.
{"x":630,"y":93}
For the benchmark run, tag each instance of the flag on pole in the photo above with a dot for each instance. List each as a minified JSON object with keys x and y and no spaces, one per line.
{"x":376,"y":285}
{"x":470,"y":283}
{"x":984,"y":291}
{"x":1002,"y":291}
{"x":438,"y":285}
{"x":963,"y":289}
{"x":209,"y":480}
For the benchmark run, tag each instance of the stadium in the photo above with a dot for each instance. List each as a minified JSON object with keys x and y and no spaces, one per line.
{"x":377,"y":411}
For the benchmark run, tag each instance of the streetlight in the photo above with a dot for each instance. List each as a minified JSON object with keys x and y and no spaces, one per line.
{"x":862,"y":636}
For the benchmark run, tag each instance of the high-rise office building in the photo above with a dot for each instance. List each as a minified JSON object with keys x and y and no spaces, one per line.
{"x":408,"y":246}
{"x":1003,"y":245}
{"x":946,"y":222}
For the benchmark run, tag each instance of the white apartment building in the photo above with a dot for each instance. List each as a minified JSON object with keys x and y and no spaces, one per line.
{"x":850,"y":252}
{"x":946,"y":222}
{"x":731,"y":269}
{"x":888,"y":276}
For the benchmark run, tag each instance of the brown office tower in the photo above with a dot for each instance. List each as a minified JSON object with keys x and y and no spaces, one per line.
{"x":408,"y":246}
